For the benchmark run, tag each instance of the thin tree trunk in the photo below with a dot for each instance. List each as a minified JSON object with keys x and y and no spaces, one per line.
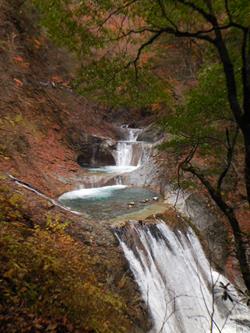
{"x":246,"y":134}
{"x":241,"y":251}
{"x":240,"y":247}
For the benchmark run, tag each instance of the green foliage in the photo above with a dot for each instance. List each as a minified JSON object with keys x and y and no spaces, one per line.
{"x":204,"y":107}
{"x":61,"y":27}
{"x":204,"y":115}
{"x":107,"y":73}
{"x":110,"y":82}
{"x":97,"y":31}
{"x":240,"y":10}
{"x":106,"y":39}
{"x":55,"y":224}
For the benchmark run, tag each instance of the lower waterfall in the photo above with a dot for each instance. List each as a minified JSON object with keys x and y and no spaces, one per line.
{"x":179,"y":287}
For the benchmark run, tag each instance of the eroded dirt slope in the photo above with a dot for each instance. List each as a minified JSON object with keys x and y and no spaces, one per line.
{"x":42,"y":119}
{"x":42,"y":125}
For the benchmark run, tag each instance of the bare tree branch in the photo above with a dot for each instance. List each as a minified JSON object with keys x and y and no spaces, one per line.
{"x":207,"y":16}
{"x":117,"y":11}
{"x":230,"y":151}
{"x":134,"y":31}
{"x":230,"y":17}
{"x":245,"y":53}
{"x":141,"y":48}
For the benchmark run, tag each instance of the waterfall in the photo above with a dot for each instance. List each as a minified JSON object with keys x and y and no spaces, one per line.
{"x":178,"y":285}
{"x":124,"y":153}
{"x":126,"y":148}
{"x":106,"y":194}
{"x":128,"y":155}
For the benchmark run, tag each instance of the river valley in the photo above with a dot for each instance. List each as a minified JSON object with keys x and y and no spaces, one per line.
{"x":182,"y":290}
{"x":98,"y":234}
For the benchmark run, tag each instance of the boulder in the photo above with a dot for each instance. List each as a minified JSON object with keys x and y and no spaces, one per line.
{"x":94,"y":151}
{"x":151,"y":134}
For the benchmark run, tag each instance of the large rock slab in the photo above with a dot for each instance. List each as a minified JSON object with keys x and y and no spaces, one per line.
{"x":93,"y":151}
{"x":210,"y":228}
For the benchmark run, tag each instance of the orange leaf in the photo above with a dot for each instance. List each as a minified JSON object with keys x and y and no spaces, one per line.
{"x":37,"y":43}
{"x":18,"y":59}
{"x":18,"y":83}
{"x":57,"y":79}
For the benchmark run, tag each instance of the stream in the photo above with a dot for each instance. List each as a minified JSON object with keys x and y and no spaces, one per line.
{"x":182,"y":291}
{"x":109,"y":201}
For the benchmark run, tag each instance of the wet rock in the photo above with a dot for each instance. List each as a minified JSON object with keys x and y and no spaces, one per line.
{"x":144,"y":201}
{"x":210,"y":228}
{"x":95,"y":151}
{"x":151,"y":134}
{"x":131,"y":204}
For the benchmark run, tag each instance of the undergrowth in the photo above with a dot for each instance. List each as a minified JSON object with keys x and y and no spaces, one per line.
{"x":46,"y":281}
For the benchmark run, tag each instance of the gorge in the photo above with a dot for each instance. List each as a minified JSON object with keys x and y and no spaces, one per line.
{"x":101,"y":230}
{"x":179,"y":285}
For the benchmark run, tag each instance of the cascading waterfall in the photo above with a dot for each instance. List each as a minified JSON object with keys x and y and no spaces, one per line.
{"x":125,"y":148}
{"x":181,"y":290}
{"x":128,"y":155}
{"x":124,"y":153}
{"x":110,"y":201}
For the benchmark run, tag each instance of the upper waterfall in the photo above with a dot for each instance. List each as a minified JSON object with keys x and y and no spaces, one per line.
{"x":124,"y":153}
{"x":127,"y":149}
{"x":113,"y":198}
{"x":128,"y":154}
{"x":181,"y":290}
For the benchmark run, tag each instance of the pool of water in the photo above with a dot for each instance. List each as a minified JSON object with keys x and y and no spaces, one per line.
{"x":109,"y":201}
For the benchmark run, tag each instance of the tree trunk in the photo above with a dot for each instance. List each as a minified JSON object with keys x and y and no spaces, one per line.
{"x":241,"y":251}
{"x":240,"y":247}
{"x":246,"y":134}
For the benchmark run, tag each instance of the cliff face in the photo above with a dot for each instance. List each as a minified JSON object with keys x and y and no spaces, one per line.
{"x":43,"y":123}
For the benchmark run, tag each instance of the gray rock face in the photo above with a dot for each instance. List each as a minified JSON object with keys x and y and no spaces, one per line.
{"x":151,"y":134}
{"x":149,"y":174}
{"x":211,"y":229}
{"x":95,"y":152}
{"x":209,"y":226}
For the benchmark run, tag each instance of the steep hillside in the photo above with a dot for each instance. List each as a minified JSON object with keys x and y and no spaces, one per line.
{"x":56,"y":269}
{"x":63,"y":271}
{"x":43,"y":123}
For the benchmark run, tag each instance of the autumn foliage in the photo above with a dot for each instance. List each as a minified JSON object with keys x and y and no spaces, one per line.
{"x":47,"y":284}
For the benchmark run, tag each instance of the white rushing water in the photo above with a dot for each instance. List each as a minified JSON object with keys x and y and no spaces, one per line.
{"x":126,"y":148}
{"x":115,"y":169}
{"x":128,"y":153}
{"x":176,"y":282}
{"x":128,"y":157}
{"x":95,"y":192}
